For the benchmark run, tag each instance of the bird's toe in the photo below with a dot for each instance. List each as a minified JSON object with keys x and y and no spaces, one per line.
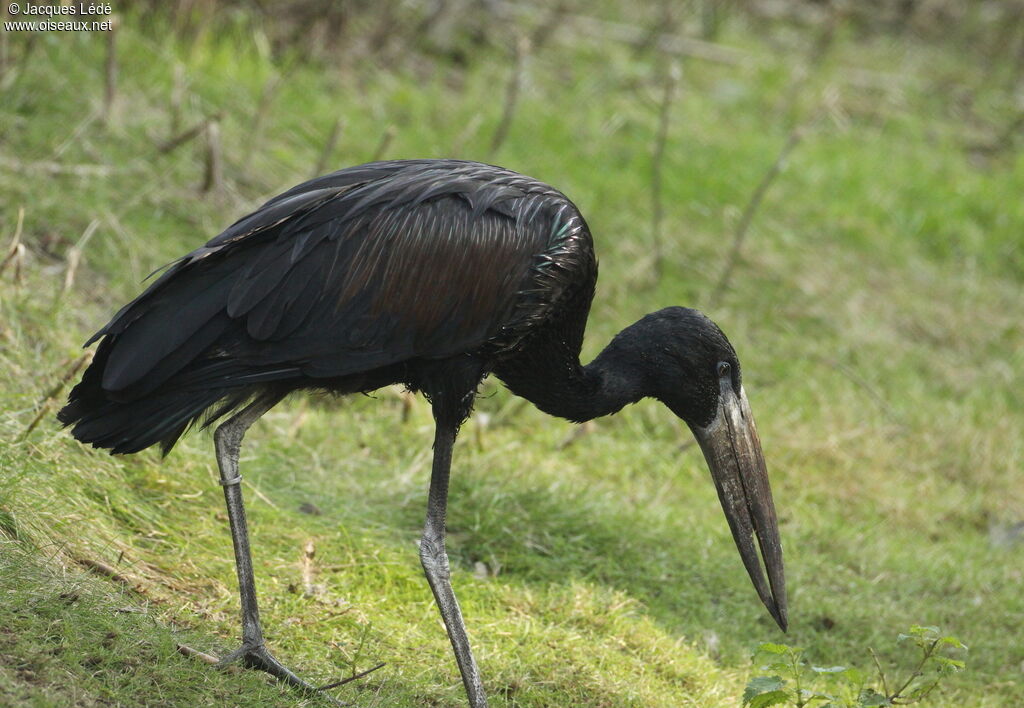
{"x":257,"y":656}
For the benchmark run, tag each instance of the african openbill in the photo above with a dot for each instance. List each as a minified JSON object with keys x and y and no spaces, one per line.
{"x":427,"y":273}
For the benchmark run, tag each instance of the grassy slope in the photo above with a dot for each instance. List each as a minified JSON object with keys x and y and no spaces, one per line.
{"x":876,"y":313}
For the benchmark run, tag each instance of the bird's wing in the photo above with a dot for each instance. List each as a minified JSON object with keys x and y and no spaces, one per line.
{"x":358,"y":270}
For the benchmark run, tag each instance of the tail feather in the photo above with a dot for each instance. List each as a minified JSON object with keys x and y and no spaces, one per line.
{"x":130,"y":421}
{"x":130,"y":427}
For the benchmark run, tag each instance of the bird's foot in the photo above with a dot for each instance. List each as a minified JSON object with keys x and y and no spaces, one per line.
{"x":257,"y":656}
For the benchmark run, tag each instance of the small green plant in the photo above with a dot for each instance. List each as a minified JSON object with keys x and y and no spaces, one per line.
{"x":790,"y":680}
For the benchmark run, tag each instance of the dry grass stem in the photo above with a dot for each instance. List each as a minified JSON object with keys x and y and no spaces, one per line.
{"x":861,"y":383}
{"x":308,"y":568}
{"x":467,"y":133}
{"x":750,"y":210}
{"x":259,"y":118}
{"x":213,"y":179}
{"x":327,"y":154}
{"x":4,"y":46}
{"x":408,"y":401}
{"x":196,"y":654}
{"x":512,"y":90}
{"x":74,"y":256}
{"x":46,"y":403}
{"x":481,"y":421}
{"x":259,"y":495}
{"x":578,"y":432}
{"x":110,"y":73}
{"x":384,"y":144}
{"x":101,"y":568}
{"x":511,"y":410}
{"x":605,"y":30}
{"x":79,"y":130}
{"x":813,"y":65}
{"x":353,"y":677}
{"x":672,"y":77}
{"x":178,"y":85}
{"x":548,"y":26}
{"x":16,"y":251}
{"x":188,"y":134}
{"x":57,"y":168}
{"x":298,"y":420}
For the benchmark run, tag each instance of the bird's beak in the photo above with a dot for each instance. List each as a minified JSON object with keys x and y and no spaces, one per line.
{"x":733,"y":452}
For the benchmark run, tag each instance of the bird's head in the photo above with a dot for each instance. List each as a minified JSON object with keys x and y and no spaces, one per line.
{"x":690,"y":366}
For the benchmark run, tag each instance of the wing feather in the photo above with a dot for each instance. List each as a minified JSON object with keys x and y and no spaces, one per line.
{"x":356,"y":270}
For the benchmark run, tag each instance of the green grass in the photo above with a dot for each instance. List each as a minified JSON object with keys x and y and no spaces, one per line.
{"x":876,"y":311}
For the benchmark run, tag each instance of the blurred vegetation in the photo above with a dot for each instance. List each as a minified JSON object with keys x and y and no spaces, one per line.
{"x":874,"y":298}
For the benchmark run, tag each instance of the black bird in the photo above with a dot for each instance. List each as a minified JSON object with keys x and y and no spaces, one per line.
{"x":427,"y":273}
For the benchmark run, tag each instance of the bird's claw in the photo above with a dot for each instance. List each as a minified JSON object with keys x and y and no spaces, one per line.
{"x":257,"y":656}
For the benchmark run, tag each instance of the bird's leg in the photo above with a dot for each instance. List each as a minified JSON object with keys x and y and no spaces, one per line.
{"x":435,"y":562}
{"x":253,"y":652}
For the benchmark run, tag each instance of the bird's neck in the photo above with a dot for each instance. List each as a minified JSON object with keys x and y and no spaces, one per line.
{"x":550,"y":376}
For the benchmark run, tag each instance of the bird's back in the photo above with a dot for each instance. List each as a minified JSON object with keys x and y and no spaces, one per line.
{"x":353,"y":272}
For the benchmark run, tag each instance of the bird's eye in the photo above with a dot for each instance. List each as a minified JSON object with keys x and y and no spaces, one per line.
{"x":723,"y":369}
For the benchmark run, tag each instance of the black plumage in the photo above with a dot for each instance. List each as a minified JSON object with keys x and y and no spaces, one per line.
{"x":346,"y":282}
{"x":428,"y":273}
